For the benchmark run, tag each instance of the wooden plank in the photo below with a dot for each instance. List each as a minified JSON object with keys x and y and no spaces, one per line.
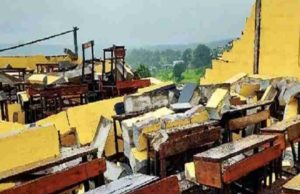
{"x":293,"y":185}
{"x":191,"y":141}
{"x":167,"y":185}
{"x":243,"y":167}
{"x":60,"y":181}
{"x":208,"y":173}
{"x":229,"y":150}
{"x":125,"y":184}
{"x":41,"y":165}
{"x":242,"y":122}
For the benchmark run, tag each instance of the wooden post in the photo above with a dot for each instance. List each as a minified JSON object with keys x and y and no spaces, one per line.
{"x":257,"y":36}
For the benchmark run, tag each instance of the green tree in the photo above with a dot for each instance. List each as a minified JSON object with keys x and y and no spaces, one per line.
{"x":178,"y":69}
{"x":202,"y":56}
{"x":187,"y":56}
{"x":143,"y":71}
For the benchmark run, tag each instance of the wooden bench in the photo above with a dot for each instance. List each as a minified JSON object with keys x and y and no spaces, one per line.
{"x":220,"y":166}
{"x":181,"y":140}
{"x":139,"y":184}
{"x":78,"y":174}
{"x":292,"y":186}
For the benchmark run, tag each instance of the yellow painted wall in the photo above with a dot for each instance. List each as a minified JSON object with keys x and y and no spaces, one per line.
{"x":19,"y":148}
{"x":12,"y":108}
{"x":31,"y":61}
{"x":279,"y":49}
{"x":9,"y":126}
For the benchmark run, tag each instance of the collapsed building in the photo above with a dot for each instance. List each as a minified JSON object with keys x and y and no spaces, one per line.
{"x":92,"y":125}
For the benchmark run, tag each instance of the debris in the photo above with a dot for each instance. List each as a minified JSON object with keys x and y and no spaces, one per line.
{"x":218,"y":103}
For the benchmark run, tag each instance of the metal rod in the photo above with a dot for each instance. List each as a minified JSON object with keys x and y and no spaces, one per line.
{"x":36,"y":41}
{"x":75,"y":40}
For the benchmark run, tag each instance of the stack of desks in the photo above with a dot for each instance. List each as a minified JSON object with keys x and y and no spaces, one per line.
{"x":220,"y":166}
{"x":181,"y":140}
{"x":58,"y":180}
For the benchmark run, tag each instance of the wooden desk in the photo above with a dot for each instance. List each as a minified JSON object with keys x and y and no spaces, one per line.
{"x":222,"y":165}
{"x":292,"y":186}
{"x":280,"y":129}
{"x":42,"y":165}
{"x":181,"y":140}
{"x":63,"y":180}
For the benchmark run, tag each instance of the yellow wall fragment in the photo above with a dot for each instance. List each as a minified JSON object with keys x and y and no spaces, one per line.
{"x":200,"y":117}
{"x":189,"y":171}
{"x":16,"y":108}
{"x":248,"y":90}
{"x":60,"y":121}
{"x":9,"y":126}
{"x":7,"y":185}
{"x":217,"y":98}
{"x":291,"y":109}
{"x":19,"y":148}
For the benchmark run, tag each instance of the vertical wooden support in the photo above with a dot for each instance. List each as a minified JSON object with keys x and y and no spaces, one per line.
{"x":257,"y":36}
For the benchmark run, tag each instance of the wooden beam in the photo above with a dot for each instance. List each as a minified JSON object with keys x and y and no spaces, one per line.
{"x":257,"y":36}
{"x":242,"y":122}
{"x":61,"y":181}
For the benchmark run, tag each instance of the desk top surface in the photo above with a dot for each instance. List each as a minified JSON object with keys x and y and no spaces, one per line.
{"x":282,"y":126}
{"x":293,"y":184}
{"x":48,"y":163}
{"x":231,"y":149}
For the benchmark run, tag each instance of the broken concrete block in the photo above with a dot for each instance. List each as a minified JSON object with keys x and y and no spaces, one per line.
{"x":197,"y":114}
{"x":138,"y":161}
{"x":248,"y":89}
{"x":180,"y":106}
{"x":289,"y":92}
{"x":218,"y":103}
{"x":158,"y":139}
{"x":140,"y":128}
{"x":113,"y":171}
{"x":24,"y":147}
{"x":137,"y":103}
{"x":102,"y":132}
{"x":127,"y":126}
{"x":189,"y":172}
{"x":159,"y":99}
{"x":174,"y":120}
{"x":269,"y":94}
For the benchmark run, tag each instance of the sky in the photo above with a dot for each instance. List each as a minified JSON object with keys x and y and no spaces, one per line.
{"x":128,"y":22}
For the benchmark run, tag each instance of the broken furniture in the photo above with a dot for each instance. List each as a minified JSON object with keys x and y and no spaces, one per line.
{"x":286,"y":129}
{"x":47,"y":67}
{"x":139,"y":184}
{"x":181,"y":141}
{"x":131,"y":86}
{"x":236,"y":117}
{"x":220,"y":166}
{"x":292,"y":186}
{"x":18,"y":73}
{"x":50,"y":100}
{"x":3,"y":106}
{"x":63,"y":180}
{"x":93,"y":169}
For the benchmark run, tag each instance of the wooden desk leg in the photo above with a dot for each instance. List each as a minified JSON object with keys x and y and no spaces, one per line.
{"x":156,"y":164}
{"x":148,"y":157}
{"x":86,"y":183}
{"x":298,"y":151}
{"x":163,"y":168}
{"x":116,"y":136}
